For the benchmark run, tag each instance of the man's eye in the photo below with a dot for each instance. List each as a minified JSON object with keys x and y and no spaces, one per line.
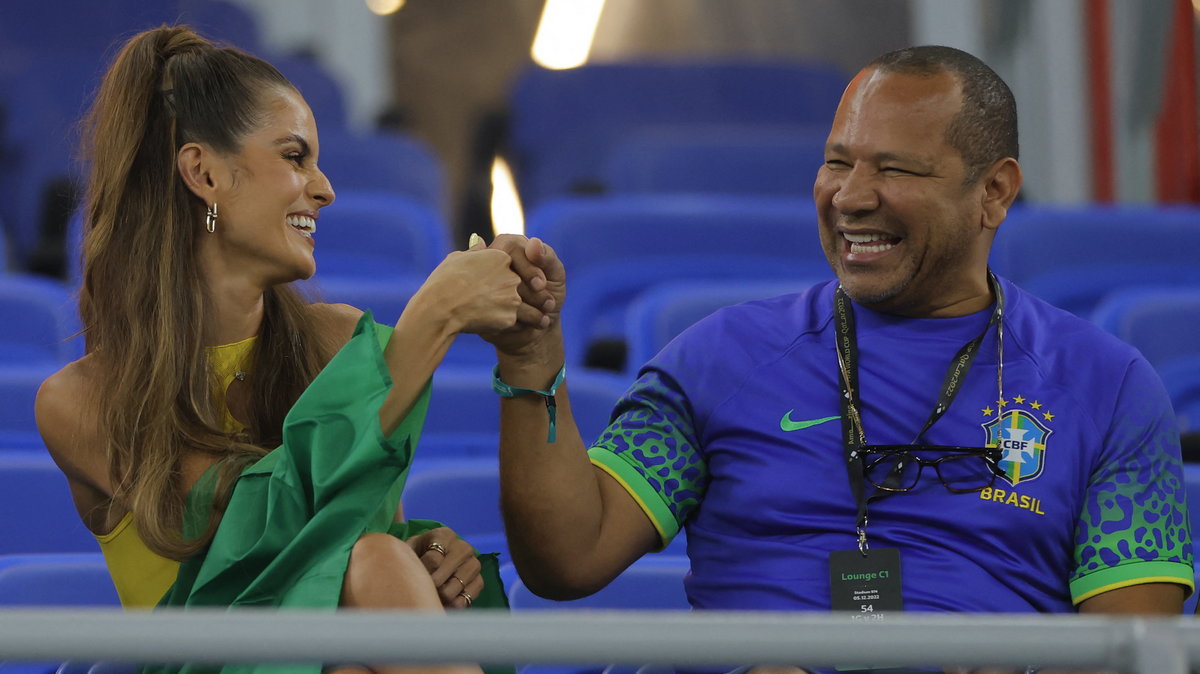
{"x":836,"y":163}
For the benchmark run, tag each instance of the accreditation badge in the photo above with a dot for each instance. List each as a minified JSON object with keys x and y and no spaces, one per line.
{"x":867,"y":586}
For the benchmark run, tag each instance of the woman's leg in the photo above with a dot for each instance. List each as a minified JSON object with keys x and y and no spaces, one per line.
{"x":384,"y":573}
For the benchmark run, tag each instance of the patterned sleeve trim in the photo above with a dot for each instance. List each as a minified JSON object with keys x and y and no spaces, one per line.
{"x":651,"y":448}
{"x":1127,"y":575}
{"x":649,"y":500}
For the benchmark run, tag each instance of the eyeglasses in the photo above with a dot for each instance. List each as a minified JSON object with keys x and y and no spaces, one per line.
{"x":897,"y":468}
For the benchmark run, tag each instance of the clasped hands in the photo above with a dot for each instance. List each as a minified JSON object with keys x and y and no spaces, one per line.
{"x":509,"y":293}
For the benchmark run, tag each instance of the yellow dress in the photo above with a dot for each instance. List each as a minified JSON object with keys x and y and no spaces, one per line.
{"x":141,"y":576}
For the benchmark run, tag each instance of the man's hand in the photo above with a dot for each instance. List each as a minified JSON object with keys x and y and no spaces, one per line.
{"x":543,"y":287}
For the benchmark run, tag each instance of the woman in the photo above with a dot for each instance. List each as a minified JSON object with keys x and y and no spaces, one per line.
{"x":202,"y":201}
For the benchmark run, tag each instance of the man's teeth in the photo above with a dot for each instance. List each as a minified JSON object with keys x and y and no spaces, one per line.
{"x":303,"y":223}
{"x":862,"y":243}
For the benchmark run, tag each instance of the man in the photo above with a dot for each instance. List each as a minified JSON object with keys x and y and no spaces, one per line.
{"x":918,"y":419}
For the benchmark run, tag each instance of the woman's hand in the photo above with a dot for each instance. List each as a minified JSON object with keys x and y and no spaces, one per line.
{"x":477,"y":291}
{"x":452,"y":564}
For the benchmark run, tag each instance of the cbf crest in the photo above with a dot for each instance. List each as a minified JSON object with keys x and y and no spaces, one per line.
{"x":1022,"y":438}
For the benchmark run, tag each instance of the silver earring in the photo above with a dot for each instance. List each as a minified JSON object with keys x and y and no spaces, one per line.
{"x":210,"y":218}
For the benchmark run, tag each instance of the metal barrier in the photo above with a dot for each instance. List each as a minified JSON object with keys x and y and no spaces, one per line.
{"x":1151,"y":646}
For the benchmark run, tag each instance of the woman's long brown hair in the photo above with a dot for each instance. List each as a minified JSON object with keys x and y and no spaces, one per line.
{"x":143,"y":302}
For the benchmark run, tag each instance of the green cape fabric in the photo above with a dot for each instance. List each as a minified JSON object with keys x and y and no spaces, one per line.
{"x":285,"y":538}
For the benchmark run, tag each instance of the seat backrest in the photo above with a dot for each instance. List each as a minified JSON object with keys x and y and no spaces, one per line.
{"x":1080,"y":290}
{"x":321,"y":90}
{"x":223,"y":22}
{"x":39,"y":320}
{"x":617,"y":247}
{"x":78,"y":579}
{"x":565,"y":121}
{"x":384,"y":162}
{"x":653,"y":582}
{"x":658,"y":315}
{"x":463,"y":401}
{"x":378,"y":235}
{"x":1159,"y":321}
{"x":1181,"y":377}
{"x":1035,"y":240}
{"x":732,"y":159}
{"x":39,"y":515}
{"x":465,"y":495}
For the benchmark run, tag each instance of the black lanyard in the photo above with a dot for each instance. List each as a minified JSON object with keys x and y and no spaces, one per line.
{"x":853,"y":435}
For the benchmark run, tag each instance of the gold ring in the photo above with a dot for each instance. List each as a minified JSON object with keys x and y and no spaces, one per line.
{"x":460,"y":582}
{"x":467,"y":597}
{"x":436,"y":546}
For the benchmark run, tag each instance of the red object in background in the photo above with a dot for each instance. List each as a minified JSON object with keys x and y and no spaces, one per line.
{"x":1176,"y":133}
{"x":1100,"y":100}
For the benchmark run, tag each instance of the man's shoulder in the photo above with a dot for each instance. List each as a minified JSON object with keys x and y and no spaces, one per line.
{"x":782,"y":317}
{"x":1044,"y":330}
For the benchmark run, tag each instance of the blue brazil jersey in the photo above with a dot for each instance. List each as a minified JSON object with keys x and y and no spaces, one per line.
{"x":733,"y":431}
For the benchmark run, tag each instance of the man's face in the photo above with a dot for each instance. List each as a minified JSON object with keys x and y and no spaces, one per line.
{"x":899,"y":226}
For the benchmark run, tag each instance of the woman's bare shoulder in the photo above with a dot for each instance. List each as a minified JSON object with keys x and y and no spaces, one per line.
{"x":335,"y":321}
{"x":67,"y":420}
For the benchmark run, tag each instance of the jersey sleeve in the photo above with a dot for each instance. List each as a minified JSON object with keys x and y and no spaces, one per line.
{"x":651,"y":449}
{"x":1134,"y":525}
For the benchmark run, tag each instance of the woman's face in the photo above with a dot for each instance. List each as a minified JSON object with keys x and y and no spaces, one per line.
{"x":267,"y":214}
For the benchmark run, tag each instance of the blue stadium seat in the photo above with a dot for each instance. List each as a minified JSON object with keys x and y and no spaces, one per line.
{"x":39,"y":515}
{"x":18,"y":390}
{"x":1159,"y":321}
{"x":1181,"y":377}
{"x":38,"y":316}
{"x":463,"y":402}
{"x":381,"y":236}
{"x":730,"y":159}
{"x":664,"y":311}
{"x":386,"y":299}
{"x":464,"y":495}
{"x":1036,"y":240}
{"x":654,"y":582}
{"x":565,"y":121}
{"x":320,"y":89}
{"x":56,"y":579}
{"x":617,"y":247}
{"x":223,"y":22}
{"x":42,"y":105}
{"x":383,"y":162}
{"x":1081,"y":289}
{"x":44,"y":580}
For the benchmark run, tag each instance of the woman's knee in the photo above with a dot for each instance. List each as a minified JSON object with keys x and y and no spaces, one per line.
{"x":384,"y":572}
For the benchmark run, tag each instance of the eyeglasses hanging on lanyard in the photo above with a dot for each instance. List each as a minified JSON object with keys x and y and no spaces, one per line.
{"x":890,"y":469}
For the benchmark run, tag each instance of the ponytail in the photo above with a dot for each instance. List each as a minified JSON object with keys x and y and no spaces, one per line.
{"x":143,"y":300}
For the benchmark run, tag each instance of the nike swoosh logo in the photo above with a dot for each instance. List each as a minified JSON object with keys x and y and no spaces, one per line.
{"x":786,"y":423}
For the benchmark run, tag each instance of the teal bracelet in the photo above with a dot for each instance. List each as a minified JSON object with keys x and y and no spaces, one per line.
{"x":506,"y":391}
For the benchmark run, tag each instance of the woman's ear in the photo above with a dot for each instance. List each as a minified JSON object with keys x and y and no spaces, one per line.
{"x":195,"y":164}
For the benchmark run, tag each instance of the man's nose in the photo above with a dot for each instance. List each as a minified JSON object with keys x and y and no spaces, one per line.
{"x":856,"y":192}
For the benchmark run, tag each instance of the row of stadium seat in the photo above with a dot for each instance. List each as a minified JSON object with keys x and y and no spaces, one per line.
{"x":81,"y":579}
{"x":615,"y":248}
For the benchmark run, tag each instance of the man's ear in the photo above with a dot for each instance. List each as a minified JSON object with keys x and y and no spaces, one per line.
{"x":1001,"y":184}
{"x":196,"y":165}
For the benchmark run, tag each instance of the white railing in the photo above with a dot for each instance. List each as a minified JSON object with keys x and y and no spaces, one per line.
{"x":1150,"y":646}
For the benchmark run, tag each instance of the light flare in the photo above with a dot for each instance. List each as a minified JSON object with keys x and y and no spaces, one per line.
{"x":507,"y":215}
